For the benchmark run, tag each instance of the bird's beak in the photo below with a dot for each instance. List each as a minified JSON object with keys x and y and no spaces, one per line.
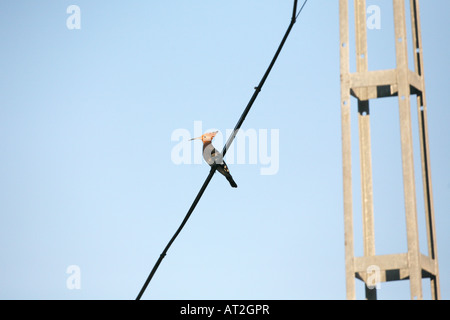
{"x":195,"y":138}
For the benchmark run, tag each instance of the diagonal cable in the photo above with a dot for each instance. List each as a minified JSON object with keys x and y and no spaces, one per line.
{"x":225,"y":148}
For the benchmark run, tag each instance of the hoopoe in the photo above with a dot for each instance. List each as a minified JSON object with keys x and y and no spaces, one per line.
{"x":213,"y":157}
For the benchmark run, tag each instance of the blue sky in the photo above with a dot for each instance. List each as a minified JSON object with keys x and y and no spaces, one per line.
{"x":87,"y":176}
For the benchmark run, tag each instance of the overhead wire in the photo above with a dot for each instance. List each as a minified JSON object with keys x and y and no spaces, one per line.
{"x":225,"y":148}
{"x":301,"y":9}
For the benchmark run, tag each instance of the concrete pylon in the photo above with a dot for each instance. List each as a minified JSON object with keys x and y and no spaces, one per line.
{"x":365,"y":85}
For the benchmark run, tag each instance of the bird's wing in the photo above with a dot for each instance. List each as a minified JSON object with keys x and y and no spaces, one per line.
{"x":217,"y":156}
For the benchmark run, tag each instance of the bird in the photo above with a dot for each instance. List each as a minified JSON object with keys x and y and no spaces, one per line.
{"x":213,"y":157}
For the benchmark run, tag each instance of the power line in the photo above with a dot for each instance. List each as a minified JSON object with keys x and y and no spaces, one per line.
{"x":225,"y":148}
{"x":301,"y":9}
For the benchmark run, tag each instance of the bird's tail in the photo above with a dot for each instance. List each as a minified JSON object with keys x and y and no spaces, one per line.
{"x":223,"y":169}
{"x":231,"y":181}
